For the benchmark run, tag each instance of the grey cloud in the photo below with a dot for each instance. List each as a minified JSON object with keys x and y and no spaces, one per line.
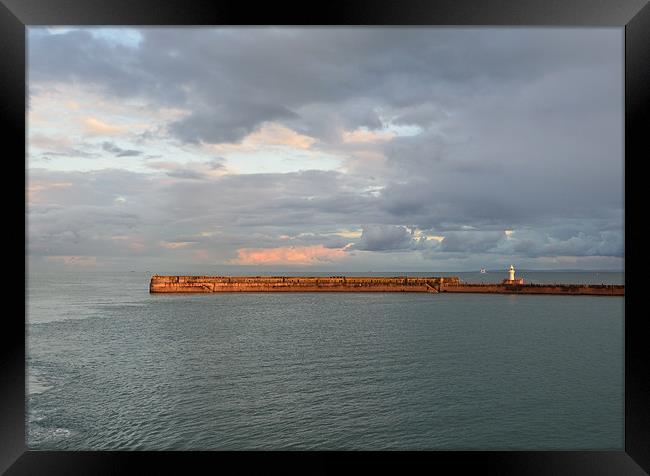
{"x":592,"y":243}
{"x":422,"y":115}
{"x":227,"y":123}
{"x":197,"y":170}
{"x":392,"y":238}
{"x":94,"y":209}
{"x":470,"y":241}
{"x":118,"y":151}
{"x":216,"y":163}
{"x":80,"y":230}
{"x":520,"y":129}
{"x":71,"y":152}
{"x":186,"y":174}
{"x":267,"y":72}
{"x":383,"y":238}
{"x":326,"y":237}
{"x":77,"y":55}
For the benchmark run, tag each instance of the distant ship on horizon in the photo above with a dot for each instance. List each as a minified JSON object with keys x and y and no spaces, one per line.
{"x":483,"y":271}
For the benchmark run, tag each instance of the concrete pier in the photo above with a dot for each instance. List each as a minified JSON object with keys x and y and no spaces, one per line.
{"x":230,"y":284}
{"x":562,"y":289}
{"x":431,"y":284}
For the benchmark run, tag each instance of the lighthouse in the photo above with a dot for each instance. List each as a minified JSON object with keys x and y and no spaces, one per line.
{"x":511,"y":277}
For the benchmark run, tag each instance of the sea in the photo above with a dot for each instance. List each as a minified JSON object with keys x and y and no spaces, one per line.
{"x":111,"y":367}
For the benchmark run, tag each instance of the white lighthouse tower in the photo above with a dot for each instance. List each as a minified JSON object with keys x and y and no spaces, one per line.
{"x":511,"y":277}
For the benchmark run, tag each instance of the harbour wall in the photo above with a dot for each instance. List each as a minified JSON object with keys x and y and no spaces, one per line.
{"x":567,"y":289}
{"x":229,"y":284}
{"x":432,"y":284}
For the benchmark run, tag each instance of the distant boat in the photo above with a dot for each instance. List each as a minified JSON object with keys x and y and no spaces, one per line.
{"x":483,"y":271}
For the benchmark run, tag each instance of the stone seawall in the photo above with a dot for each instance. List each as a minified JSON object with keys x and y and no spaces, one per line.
{"x":230,"y":284}
{"x":432,"y":284}
{"x":568,"y":289}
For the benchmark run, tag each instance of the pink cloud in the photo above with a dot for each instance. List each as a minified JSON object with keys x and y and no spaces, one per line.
{"x":98,"y":127}
{"x":361,"y":135}
{"x":297,"y":255}
{"x":271,"y":134}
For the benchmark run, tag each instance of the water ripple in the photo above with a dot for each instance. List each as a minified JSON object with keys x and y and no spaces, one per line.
{"x":327,"y":372}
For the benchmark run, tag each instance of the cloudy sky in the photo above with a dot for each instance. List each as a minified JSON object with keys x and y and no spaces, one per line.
{"x":352,"y":149}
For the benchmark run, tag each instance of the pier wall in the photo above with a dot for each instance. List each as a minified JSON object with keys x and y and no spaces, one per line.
{"x":228,"y":284}
{"x":433,"y":284}
{"x":570,"y":289}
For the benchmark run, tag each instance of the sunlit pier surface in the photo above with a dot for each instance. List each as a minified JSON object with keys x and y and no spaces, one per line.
{"x":387,"y":284}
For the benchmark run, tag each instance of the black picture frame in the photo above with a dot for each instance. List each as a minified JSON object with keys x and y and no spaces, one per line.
{"x":633,"y":15}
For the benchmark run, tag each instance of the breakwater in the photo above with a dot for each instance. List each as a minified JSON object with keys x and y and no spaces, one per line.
{"x":229,"y":284}
{"x":432,"y":284}
{"x":567,"y":289}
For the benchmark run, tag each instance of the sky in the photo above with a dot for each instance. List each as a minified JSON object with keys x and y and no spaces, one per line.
{"x":329,"y":149}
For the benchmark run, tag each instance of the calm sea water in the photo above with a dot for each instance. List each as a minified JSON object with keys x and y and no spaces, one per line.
{"x":112,"y":367}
